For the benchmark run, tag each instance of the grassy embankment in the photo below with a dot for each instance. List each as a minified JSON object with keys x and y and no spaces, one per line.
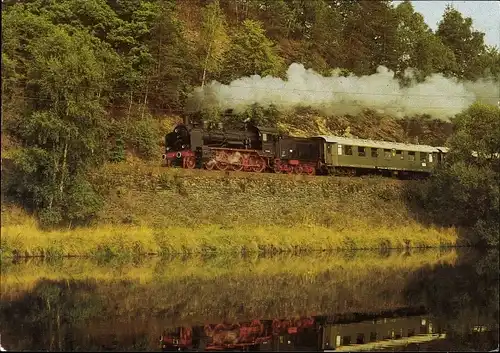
{"x":152,"y":210}
{"x":149,"y":209}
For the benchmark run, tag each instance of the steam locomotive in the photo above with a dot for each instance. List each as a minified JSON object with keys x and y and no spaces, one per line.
{"x":247,"y":146}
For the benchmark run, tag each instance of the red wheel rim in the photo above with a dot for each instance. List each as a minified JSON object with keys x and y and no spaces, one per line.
{"x":221,"y":165}
{"x":237,"y":167}
{"x":210,"y":164}
{"x":261,"y":165}
{"x":190,"y":162}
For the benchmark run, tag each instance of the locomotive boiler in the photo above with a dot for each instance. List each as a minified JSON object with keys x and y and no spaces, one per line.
{"x":245,"y":146}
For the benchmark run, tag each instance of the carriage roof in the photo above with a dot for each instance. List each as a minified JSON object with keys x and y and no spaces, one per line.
{"x":379,"y":144}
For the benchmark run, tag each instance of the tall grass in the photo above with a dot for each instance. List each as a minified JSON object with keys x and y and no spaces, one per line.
{"x":105,"y":241}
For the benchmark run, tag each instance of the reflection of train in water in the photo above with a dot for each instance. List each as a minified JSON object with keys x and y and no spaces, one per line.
{"x":298,"y":334}
{"x":238,"y":336}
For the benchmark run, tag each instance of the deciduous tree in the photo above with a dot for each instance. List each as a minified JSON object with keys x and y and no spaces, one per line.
{"x":214,"y":41}
{"x":252,"y":53}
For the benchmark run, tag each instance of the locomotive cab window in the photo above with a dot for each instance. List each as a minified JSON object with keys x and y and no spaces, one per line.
{"x":411,"y":156}
{"x":374,"y":152}
{"x":264,"y":137}
{"x":430,"y":157}
{"x":387,"y":154}
{"x":361,"y":152}
{"x":348,"y":150}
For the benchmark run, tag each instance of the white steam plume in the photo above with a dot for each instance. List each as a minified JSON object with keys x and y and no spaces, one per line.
{"x":437,"y":96}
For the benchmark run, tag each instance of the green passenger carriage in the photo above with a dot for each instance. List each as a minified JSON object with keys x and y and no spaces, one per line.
{"x":351,"y":156}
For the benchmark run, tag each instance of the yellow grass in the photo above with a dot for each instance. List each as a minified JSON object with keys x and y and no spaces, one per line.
{"x":28,"y":240}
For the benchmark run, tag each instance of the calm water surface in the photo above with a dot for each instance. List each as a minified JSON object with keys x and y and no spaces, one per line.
{"x":426,"y":300}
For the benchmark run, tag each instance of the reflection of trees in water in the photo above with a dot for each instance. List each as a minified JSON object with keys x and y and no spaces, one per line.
{"x":465,"y":297}
{"x":51,"y":312}
{"x":78,"y":315}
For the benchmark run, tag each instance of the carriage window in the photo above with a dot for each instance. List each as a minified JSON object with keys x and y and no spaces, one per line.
{"x":264,"y":137}
{"x":430,"y":157}
{"x":411,"y":156}
{"x":387,"y":154}
{"x":348,"y":150}
{"x":399,"y":154}
{"x":374,"y":152}
{"x":423,"y":157}
{"x":339,"y":150}
{"x":361,"y":152}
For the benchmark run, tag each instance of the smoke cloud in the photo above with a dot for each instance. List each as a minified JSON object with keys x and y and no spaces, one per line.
{"x":437,"y":96}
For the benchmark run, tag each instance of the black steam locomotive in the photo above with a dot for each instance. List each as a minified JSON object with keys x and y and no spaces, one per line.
{"x":242,"y":147}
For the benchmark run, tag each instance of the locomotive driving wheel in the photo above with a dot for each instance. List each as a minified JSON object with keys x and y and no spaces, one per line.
{"x":190,"y":162}
{"x":259,"y":164}
{"x":277,"y":167}
{"x":237,"y":167}
{"x":221,"y":165}
{"x":209,"y":165}
{"x":237,"y":163}
{"x":221,"y":161}
{"x":309,"y":170}
{"x":298,"y":169}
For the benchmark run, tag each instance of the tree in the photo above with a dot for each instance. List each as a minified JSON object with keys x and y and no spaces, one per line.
{"x":322,"y":36}
{"x":465,"y":191}
{"x":277,"y":18}
{"x":370,"y":35}
{"x":456,"y":33}
{"x":252,"y":53}
{"x":62,"y":123}
{"x":214,"y":39}
{"x":418,"y":47}
{"x":173,"y":61}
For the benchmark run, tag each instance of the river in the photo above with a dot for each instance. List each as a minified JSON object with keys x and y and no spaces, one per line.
{"x":419,"y":300}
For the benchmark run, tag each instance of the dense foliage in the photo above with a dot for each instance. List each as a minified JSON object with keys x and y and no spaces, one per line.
{"x":82,"y":79}
{"x":465,"y":192}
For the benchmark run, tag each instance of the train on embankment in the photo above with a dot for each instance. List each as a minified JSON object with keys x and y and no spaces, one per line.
{"x":253,"y":148}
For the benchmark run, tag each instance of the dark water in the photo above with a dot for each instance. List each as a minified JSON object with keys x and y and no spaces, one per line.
{"x":359,"y":301}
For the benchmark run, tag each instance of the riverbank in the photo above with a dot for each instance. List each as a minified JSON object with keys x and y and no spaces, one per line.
{"x":153,"y":210}
{"x":130,"y":241}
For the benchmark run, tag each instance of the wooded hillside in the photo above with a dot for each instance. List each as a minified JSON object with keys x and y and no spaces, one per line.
{"x":85,"y":81}
{"x":125,"y":53}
